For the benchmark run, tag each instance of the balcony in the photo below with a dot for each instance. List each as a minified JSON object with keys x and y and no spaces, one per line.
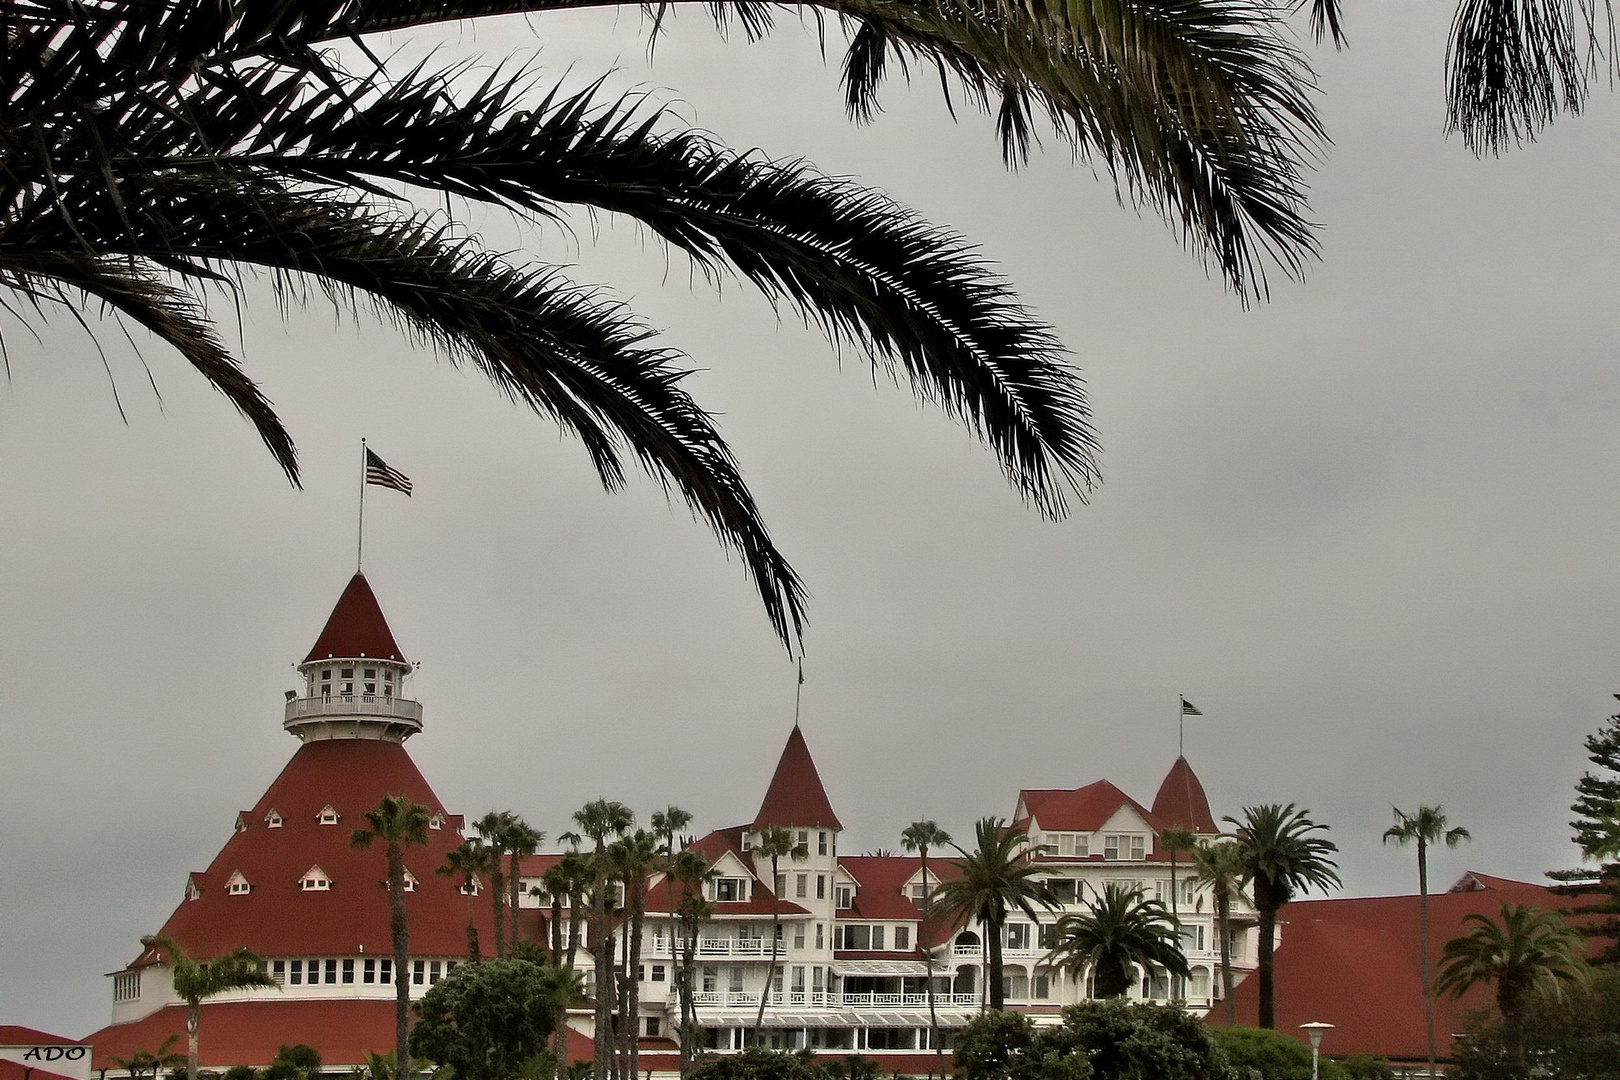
{"x":714,"y":948}
{"x":305,"y":714}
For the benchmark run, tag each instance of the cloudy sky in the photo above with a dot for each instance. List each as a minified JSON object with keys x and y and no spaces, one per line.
{"x":1368,"y":527}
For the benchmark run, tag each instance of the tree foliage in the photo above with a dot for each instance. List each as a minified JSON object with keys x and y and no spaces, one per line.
{"x":1572,"y":1034}
{"x":1116,"y":933}
{"x":1096,"y":1040}
{"x":487,"y":1021}
{"x":1597,"y":831}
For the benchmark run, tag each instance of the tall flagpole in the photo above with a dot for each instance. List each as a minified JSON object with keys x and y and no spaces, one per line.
{"x":360,"y":534}
{"x":1181,"y":726}
{"x":798,"y":692}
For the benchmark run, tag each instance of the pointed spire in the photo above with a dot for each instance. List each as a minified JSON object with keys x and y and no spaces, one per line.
{"x":796,"y":797}
{"x":1181,"y":800}
{"x":356,"y":629}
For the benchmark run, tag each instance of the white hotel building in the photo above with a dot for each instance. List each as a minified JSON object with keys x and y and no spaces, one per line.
{"x":855,"y":950}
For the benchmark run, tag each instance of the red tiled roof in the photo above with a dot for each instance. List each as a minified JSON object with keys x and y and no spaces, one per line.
{"x":1084,"y":809}
{"x":796,"y":796}
{"x":881,"y":879}
{"x":1354,"y":964}
{"x":278,"y":918}
{"x":356,"y":628}
{"x":17,"y":1035}
{"x":1181,"y":800}
{"x":16,"y":1070}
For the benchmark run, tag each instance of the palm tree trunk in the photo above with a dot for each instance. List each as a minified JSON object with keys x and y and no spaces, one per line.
{"x":1267,"y":972}
{"x":556,"y":931}
{"x":928,"y":964}
{"x":399,"y":930}
{"x":1423,"y":946}
{"x":497,"y":896}
{"x":601,"y":1063}
{"x":472,"y":930}
{"x":998,"y":993}
{"x":1223,"y":915}
{"x":514,"y":884}
{"x":770,"y":974}
{"x":633,"y":1008}
{"x":193,"y":1023}
{"x":688,"y":1010}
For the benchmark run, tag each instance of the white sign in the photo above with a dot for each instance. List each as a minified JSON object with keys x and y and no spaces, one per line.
{"x":60,"y":1058}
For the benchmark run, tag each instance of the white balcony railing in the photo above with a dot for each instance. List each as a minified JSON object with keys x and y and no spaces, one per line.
{"x":709,"y":948}
{"x":397,"y":708}
{"x":828,"y":999}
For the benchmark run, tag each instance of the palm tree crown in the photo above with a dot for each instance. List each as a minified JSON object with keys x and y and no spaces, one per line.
{"x":1222,"y":866}
{"x":1119,"y":931}
{"x":994,"y":878}
{"x":1424,"y":826}
{"x":1529,"y":949}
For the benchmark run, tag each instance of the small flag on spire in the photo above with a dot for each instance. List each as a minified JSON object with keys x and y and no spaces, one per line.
{"x":1189,"y":709}
{"x":382,"y":474}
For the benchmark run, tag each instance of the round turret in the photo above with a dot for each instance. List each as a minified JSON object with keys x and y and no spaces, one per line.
{"x":354,"y":677}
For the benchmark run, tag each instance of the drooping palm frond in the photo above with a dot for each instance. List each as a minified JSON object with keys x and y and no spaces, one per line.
{"x":1513,"y":65}
{"x":1201,"y":108}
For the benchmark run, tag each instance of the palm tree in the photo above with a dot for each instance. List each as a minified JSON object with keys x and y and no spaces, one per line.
{"x":1222,"y":866}
{"x":467,"y":860}
{"x":142,"y":1061}
{"x":634,"y":858}
{"x":146,"y":140}
{"x":775,"y":842}
{"x":494,"y":829}
{"x":1176,"y":841}
{"x":691,"y":872}
{"x":1426,"y":825}
{"x":1530,"y":949}
{"x":919,"y":836}
{"x":599,"y":820}
{"x":667,"y":823}
{"x":561,"y":987}
{"x":1118,"y":930}
{"x":1282,"y":859}
{"x":398,"y":823}
{"x":195,"y":981}
{"x":996,"y":877}
{"x":520,"y":841}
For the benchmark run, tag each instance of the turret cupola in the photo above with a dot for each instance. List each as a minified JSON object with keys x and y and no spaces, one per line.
{"x":354,"y":677}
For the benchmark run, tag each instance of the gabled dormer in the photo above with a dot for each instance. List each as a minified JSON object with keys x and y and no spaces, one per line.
{"x":315,"y":880}
{"x":193,"y":890}
{"x":241,"y":821}
{"x":237,"y":885}
{"x":272,"y":819}
{"x":436,"y":822}
{"x":410,"y":881}
{"x":328,"y":816}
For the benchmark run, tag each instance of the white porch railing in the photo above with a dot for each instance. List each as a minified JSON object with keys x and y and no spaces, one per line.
{"x":658,"y":948}
{"x":827,"y":999}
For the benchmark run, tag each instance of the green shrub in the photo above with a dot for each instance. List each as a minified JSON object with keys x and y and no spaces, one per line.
{"x":1363,"y":1067}
{"x":240,"y":1072}
{"x":1270,"y":1055}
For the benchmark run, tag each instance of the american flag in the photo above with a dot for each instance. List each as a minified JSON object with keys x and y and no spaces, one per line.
{"x":1189,"y":709}
{"x":382,"y":474}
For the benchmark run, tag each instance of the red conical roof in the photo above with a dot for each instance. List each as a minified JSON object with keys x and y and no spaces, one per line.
{"x":278,"y":918}
{"x":356,"y":628}
{"x":1181,"y":800}
{"x":796,"y":796}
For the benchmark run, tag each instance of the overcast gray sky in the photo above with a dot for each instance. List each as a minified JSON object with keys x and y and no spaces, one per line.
{"x":1369,"y":527}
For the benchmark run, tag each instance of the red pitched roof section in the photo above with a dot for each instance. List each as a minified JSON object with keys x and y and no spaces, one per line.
{"x":796,"y":796}
{"x":356,"y":628}
{"x":1085,"y":809}
{"x":1181,"y":800}
{"x":16,"y":1035}
{"x":1354,"y":964}
{"x":278,"y":918}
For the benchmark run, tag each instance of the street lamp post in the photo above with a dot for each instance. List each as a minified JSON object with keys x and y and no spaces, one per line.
{"x":1315,"y":1029}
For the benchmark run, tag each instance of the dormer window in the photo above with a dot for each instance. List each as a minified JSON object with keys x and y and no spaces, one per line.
{"x":436,"y":822}
{"x":410,"y":881}
{"x":273,"y":819}
{"x":728,"y":889}
{"x":315,"y":880}
{"x":192,"y":891}
{"x":474,"y":889}
{"x":1127,"y":846}
{"x":327,"y":816}
{"x":846,"y":897}
{"x":237,"y":885}
{"x":241,"y":822}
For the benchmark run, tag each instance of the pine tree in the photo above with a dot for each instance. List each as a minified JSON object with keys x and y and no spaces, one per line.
{"x":1596,"y":828}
